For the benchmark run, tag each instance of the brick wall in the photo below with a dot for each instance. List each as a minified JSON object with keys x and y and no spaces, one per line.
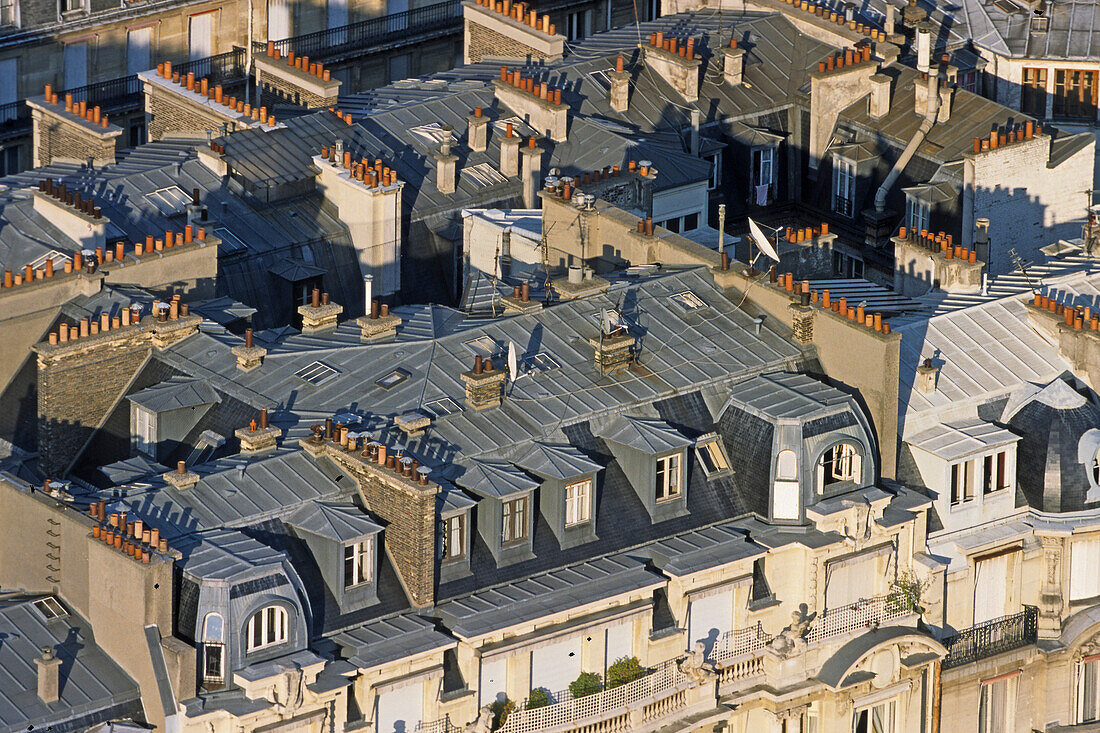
{"x":80,"y":381}
{"x":59,"y":135}
{"x":280,"y":91}
{"x":166,"y":114}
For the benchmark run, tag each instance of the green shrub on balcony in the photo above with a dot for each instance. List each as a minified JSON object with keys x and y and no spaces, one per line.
{"x":587,"y":683}
{"x":539,"y":698}
{"x":501,"y":710}
{"x":905,"y":593}
{"x":624,"y":670}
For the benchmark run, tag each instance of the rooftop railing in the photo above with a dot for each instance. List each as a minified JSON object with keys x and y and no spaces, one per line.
{"x":858,"y":616}
{"x":443,"y":725}
{"x":992,"y":637}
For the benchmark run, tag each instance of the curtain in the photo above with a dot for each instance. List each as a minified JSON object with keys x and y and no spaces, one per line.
{"x":138,"y":44}
{"x":991,"y":588}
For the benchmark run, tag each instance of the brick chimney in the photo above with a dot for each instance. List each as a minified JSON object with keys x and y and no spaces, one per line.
{"x":484,"y":384}
{"x":181,"y":479}
{"x":379,"y":324}
{"x":802,"y":317}
{"x":509,"y":30}
{"x":733,"y":64}
{"x":926,"y":260}
{"x":249,"y":356}
{"x":294,"y":80}
{"x":675,"y":62}
{"x":537,"y":103}
{"x":839,"y":81}
{"x":319,"y":315}
{"x":180,"y":103}
{"x":69,"y":212}
{"x":926,"y":377}
{"x":613,"y":351}
{"x":620,"y":86}
{"x":68,"y":131}
{"x":259,"y":436}
{"x":532,"y":173}
{"x":477,"y":131}
{"x":509,"y":152}
{"x":368,"y":198}
{"x":879,"y":101}
{"x":446,"y":163}
{"x":49,"y":676}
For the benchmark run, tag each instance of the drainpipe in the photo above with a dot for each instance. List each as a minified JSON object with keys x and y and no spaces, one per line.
{"x":695,"y":132}
{"x":930,"y":113}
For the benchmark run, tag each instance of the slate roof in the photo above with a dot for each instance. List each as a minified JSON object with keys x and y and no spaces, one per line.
{"x":175,"y":394}
{"x":93,"y":689}
{"x":227,"y":555}
{"x":495,"y":478}
{"x":954,"y":440}
{"x":340,"y":522}
{"x":552,"y":460}
{"x":785,"y":395}
{"x":1006,"y":29}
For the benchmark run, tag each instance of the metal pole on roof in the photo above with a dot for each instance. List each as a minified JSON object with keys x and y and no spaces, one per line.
{"x":248,"y":59}
{"x":721,"y":228}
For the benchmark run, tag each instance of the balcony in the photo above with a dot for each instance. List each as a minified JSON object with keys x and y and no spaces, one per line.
{"x":992,"y":637}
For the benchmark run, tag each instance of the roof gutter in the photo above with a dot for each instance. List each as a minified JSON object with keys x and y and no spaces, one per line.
{"x":932,"y":109}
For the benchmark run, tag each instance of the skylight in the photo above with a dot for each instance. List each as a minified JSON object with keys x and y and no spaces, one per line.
{"x":688,"y":300}
{"x":439,"y":408}
{"x":392,"y":379}
{"x":542,"y":362}
{"x":169,"y":201}
{"x":230,"y":241}
{"x":316,"y":373}
{"x":483,"y":345}
{"x":50,"y":608}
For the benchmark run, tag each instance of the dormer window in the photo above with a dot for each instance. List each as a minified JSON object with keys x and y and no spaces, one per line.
{"x":143,"y":431}
{"x":962,"y":483}
{"x":995,"y":475}
{"x":785,"y":497}
{"x":358,"y":563}
{"x":453,"y":535}
{"x":917,"y":213}
{"x":840,"y":463}
{"x":268,"y":627}
{"x":844,"y":186}
{"x":514,"y":516}
{"x":578,"y":502}
{"x":213,"y":650}
{"x":669,"y":477}
{"x":712,"y":456}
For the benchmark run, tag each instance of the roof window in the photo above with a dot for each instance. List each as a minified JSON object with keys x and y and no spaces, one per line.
{"x":439,"y":408}
{"x":688,"y":300}
{"x":51,"y":608}
{"x":482,"y":346}
{"x":392,"y":379}
{"x":169,"y":201}
{"x":230,"y":242}
{"x":316,"y":373}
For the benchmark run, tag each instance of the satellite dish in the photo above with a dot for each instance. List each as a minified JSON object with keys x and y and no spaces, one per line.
{"x":761,"y":241}
{"x":513,"y":360}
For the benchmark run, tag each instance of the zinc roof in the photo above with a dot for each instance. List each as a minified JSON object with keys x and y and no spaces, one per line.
{"x":174,"y":394}
{"x":954,"y":440}
{"x":647,"y":435}
{"x":785,"y":395}
{"x":340,"y":522}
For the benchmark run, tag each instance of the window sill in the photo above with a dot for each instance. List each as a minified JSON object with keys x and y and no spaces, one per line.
{"x":764,"y":603}
{"x":449,"y":695}
{"x":668,"y":499}
{"x":656,"y":634}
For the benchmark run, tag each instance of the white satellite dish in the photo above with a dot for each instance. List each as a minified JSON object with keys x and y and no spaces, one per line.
{"x":513,"y":360}
{"x":761,"y":241}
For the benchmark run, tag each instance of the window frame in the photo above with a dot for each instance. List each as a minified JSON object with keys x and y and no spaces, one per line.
{"x":581,"y":505}
{"x":1033,"y":91}
{"x":145,"y":442}
{"x":853,"y":459}
{"x":918,"y":213}
{"x":844,"y":172}
{"x":760,"y":155}
{"x":447,"y":527}
{"x":892,"y":705}
{"x":711,"y":455}
{"x":985,"y":715}
{"x":961,"y":483}
{"x":269,"y":621}
{"x":1075,"y":94}
{"x":666,"y":489}
{"x":514,"y":515}
{"x":1086,"y":664}
{"x":715,"y":179}
{"x":360,"y":555}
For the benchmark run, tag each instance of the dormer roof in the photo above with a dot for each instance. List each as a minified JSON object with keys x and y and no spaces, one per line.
{"x":550,"y":460}
{"x":496,"y":479}
{"x":339,"y":522}
{"x":648,"y":435}
{"x":952,"y":441}
{"x":175,"y":394}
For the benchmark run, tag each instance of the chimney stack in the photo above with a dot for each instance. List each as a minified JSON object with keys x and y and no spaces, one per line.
{"x":620,"y":87}
{"x":181,"y":478}
{"x":532,"y":173}
{"x":49,"y":676}
{"x":924,"y":48}
{"x":880,"y":96}
{"x":478,"y":130}
{"x":249,"y":357}
{"x":733,"y":67}
{"x":926,"y":377}
{"x":484,"y":384}
{"x":509,"y":153}
{"x":446,"y":164}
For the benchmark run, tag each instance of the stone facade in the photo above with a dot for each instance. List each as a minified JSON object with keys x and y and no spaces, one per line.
{"x":282,"y":83}
{"x":61,"y":136}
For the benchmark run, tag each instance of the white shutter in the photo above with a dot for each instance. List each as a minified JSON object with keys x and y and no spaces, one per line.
{"x":709,"y":618}
{"x":785,"y":500}
{"x":620,"y":643}
{"x":990,"y":588}
{"x":76,"y":65}
{"x":1084,"y":571}
{"x":278,"y":20}
{"x":337,"y":13}
{"x":493,"y":679}
{"x":555,"y":665}
{"x":400,"y":710}
{"x":139,"y":42}
{"x":201,"y":36}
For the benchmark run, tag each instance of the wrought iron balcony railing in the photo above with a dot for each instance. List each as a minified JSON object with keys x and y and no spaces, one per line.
{"x":992,"y":637}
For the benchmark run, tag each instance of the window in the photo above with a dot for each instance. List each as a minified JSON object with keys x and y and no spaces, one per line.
{"x":995,"y":706}
{"x":392,"y":379}
{"x":844,"y":186}
{"x":1088,"y":689}
{"x":840,"y":463}
{"x":691,"y":222}
{"x":654,"y":9}
{"x":50,"y":608}
{"x":994,"y":474}
{"x":1084,"y":559}
{"x":917,"y":213}
{"x":453,"y":536}
{"x":482,"y":346}
{"x":1096,"y":469}
{"x":316,"y":373}
{"x":138,"y":133}
{"x":1033,"y":95}
{"x":143,"y":431}
{"x":962,"y":482}
{"x":687,"y":300}
{"x":712,"y":456}
{"x":968,"y":80}
{"x":1075,"y":93}
{"x":763,"y":168}
{"x":213,"y":650}
{"x":673,"y":225}
{"x":876,"y":718}
{"x":268,"y":627}
{"x":76,"y":64}
{"x":845,"y":265}
{"x":443,"y":406}
{"x":578,"y":502}
{"x":358,"y":563}
{"x":578,"y":25}
{"x":68,"y":6}
{"x":200,"y":38}
{"x":995,"y":587}
{"x":668,"y":477}
{"x":169,"y":201}
{"x":715,"y":171}
{"x":139,"y":42}
{"x":515,"y":521}
{"x":9,"y":12}
{"x":761,"y":591}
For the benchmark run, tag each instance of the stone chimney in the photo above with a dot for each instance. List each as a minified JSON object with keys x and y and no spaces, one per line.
{"x":71,"y":132}
{"x":49,"y":676}
{"x":927,"y":260}
{"x":249,"y":356}
{"x":539,"y":105}
{"x":1076,"y":329}
{"x":879,"y":101}
{"x":613,"y":350}
{"x":532,"y":173}
{"x":446,"y":170}
{"x":181,"y":479}
{"x":840,"y":80}
{"x":733,"y":64}
{"x":477,"y":131}
{"x":180,"y":103}
{"x":502,"y":29}
{"x":78,"y":218}
{"x":294,"y":80}
{"x":319,"y":315}
{"x":802,"y":317}
{"x":926,"y":377}
{"x":367,"y":196}
{"x":484,"y":384}
{"x":620,"y":86}
{"x":675,"y":62}
{"x":259,"y":436}
{"x":379,"y":324}
{"x":509,"y":152}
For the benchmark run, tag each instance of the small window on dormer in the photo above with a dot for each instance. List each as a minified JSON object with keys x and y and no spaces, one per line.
{"x":143,"y":432}
{"x":838,"y":464}
{"x":514,"y":520}
{"x":578,"y":502}
{"x":669,"y":477}
{"x":267,"y":627}
{"x":712,"y":456}
{"x":453,"y":537}
{"x":358,"y":563}
{"x":917,"y":213}
{"x":995,"y":473}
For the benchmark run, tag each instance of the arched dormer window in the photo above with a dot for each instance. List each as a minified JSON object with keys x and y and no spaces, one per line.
{"x":786,"y":502}
{"x":267,"y":627}
{"x":840,"y":463}
{"x":213,"y":650}
{"x":786,"y":465}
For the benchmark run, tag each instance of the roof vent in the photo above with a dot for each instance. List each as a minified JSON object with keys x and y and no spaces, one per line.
{"x":926,"y":377}
{"x":49,"y":677}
